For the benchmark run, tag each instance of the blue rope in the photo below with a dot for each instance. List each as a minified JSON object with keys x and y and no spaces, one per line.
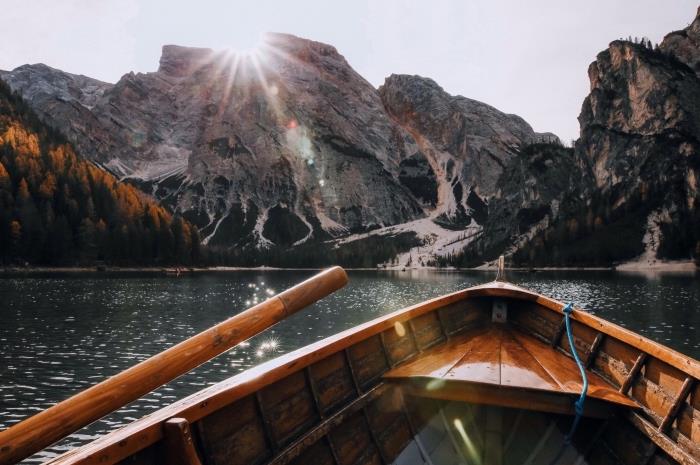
{"x":578,"y":405}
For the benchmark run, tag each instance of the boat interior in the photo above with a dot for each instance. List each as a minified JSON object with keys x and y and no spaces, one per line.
{"x":481,"y":376}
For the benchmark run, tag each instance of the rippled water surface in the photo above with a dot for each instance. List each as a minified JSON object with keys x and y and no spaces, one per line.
{"x":62,"y":333}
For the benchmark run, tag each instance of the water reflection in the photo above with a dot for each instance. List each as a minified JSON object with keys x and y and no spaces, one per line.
{"x":62,"y":333}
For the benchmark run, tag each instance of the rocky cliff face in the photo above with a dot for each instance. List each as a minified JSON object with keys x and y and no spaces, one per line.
{"x":629,"y":189}
{"x":465,"y":142}
{"x":639,"y":153}
{"x":285,"y":146}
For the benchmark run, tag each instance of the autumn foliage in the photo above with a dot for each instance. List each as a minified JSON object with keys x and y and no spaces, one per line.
{"x":58,"y":209}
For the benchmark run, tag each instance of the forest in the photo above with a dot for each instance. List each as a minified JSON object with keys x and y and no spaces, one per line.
{"x":61,"y":210}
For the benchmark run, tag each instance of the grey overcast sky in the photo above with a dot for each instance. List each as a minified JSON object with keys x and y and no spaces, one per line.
{"x":524,"y":57}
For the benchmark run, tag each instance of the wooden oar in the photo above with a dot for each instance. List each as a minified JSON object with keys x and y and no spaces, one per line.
{"x":45,"y":428}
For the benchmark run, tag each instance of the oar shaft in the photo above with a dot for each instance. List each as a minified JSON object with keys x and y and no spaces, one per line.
{"x":45,"y":428}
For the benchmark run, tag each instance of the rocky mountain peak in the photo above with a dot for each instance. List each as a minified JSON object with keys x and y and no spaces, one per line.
{"x":301,"y":48}
{"x":178,"y":61}
{"x":684,"y":45}
{"x":479,"y":139}
{"x":286,"y":144}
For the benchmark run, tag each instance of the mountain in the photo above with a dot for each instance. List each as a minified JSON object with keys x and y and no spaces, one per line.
{"x":287,"y":146}
{"x":288,"y":156}
{"x":58,"y":209}
{"x":629,"y":190}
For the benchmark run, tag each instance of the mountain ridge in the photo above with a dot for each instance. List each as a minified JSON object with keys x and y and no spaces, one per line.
{"x":289,"y":147}
{"x":323,"y":126}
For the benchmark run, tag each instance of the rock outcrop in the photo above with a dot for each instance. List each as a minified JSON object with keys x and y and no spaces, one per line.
{"x":640,"y":150}
{"x":465,"y":142}
{"x":284,"y":146}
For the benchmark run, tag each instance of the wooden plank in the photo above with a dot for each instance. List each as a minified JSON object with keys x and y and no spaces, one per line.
{"x":564,"y":370}
{"x":437,"y":361}
{"x":353,"y":376}
{"x":267,"y":427}
{"x":233,"y":435}
{"x":520,"y":369}
{"x":557,"y":334}
{"x":314,"y":393}
{"x":688,"y":385}
{"x":179,"y":446}
{"x":660,"y":439}
{"x":427,"y":331}
{"x":332,"y":381}
{"x":632,"y":375}
{"x":503,"y":396}
{"x":399,"y":343}
{"x":315,"y":434}
{"x":593,"y":351}
{"x":369,"y":360}
{"x":501,"y":356}
{"x":319,"y":453}
{"x":481,"y":362}
{"x":670,"y":356}
{"x":352,"y":441}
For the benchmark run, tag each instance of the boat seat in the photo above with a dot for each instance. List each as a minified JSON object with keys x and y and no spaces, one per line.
{"x":500,"y":365}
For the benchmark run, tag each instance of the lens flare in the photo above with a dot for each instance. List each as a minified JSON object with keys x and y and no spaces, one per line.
{"x":468,"y":443}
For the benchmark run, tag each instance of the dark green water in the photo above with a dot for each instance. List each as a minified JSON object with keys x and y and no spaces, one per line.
{"x":62,"y":333}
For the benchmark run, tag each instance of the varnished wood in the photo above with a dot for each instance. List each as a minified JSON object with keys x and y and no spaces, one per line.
{"x":688,"y":385}
{"x":660,"y":439}
{"x":502,"y":356}
{"x":557,"y":334}
{"x":564,"y":370}
{"x":634,"y":371}
{"x":593,"y":351}
{"x":501,"y":396}
{"x":179,"y":445}
{"x":45,"y":428}
{"x":652,"y":348}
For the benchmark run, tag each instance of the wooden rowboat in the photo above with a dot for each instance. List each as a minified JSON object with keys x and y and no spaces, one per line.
{"x":480,"y":376}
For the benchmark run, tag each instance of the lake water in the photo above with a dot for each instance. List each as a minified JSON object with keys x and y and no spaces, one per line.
{"x":62,"y":333}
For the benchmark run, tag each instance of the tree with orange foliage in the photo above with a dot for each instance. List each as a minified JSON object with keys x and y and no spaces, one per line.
{"x":56,"y":208}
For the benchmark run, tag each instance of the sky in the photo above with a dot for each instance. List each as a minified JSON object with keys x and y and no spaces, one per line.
{"x":524,"y":57}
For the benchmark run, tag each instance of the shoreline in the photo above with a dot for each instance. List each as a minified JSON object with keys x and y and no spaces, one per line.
{"x":686,"y":267}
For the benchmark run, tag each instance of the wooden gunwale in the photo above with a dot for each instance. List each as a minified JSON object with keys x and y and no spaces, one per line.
{"x":122,"y":443}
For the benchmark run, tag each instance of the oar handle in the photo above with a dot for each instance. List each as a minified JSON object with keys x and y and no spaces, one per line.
{"x":45,"y":428}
